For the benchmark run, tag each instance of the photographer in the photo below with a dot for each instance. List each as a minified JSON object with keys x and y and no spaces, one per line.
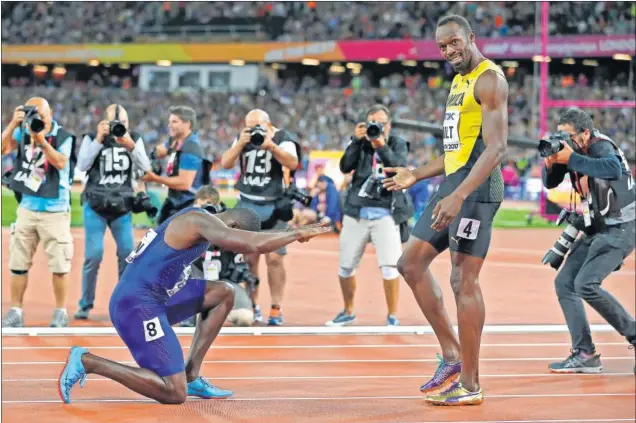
{"x":109,"y":158}
{"x":187,"y":169}
{"x":43,"y":176}
{"x":324,"y":207}
{"x":372,"y":213}
{"x":222,"y":265}
{"x":600,"y":174}
{"x":264,"y":151}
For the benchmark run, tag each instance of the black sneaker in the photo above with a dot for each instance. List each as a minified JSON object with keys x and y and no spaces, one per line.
{"x":576,"y":363}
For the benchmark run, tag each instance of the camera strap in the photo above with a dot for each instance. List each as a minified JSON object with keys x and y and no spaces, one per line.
{"x":172,"y":156}
{"x":585,"y":203}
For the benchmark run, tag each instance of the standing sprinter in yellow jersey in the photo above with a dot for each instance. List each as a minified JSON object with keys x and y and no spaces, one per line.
{"x":460,"y":215}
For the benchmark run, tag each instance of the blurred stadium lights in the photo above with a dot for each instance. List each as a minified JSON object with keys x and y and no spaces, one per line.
{"x":626,"y":57}
{"x":383,"y":61}
{"x":310,"y":62}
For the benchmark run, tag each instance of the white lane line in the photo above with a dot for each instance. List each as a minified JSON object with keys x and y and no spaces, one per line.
{"x":406,"y":360}
{"x":334,"y":346}
{"x":270,"y":378}
{"x":577,"y":395}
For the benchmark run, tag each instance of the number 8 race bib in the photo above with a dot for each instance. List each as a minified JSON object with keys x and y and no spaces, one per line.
{"x":451,"y":131}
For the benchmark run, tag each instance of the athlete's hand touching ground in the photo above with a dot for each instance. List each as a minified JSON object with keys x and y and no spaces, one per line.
{"x":402,"y":179}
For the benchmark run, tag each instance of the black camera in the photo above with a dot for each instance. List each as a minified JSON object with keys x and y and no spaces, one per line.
{"x":555,"y":255}
{"x":32,"y":119}
{"x":237,"y":272}
{"x":156,"y":164}
{"x":142,"y":203}
{"x":374,"y":130}
{"x":6,"y":177}
{"x":117,"y":129}
{"x":215,"y":208}
{"x":257,"y":135}
{"x":553,"y":145}
{"x":296,"y":194}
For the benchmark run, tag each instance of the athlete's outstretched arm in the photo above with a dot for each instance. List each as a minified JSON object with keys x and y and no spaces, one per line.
{"x":491,"y":91}
{"x":216,"y":232}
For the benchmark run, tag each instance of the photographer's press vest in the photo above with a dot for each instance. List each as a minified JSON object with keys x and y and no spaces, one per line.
{"x":111,"y":173}
{"x":172,"y":169}
{"x":30,"y":161}
{"x":261,"y":174}
{"x":614,"y":200}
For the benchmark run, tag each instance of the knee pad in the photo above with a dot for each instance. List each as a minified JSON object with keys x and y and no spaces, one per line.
{"x":19,"y":272}
{"x":389,"y":272}
{"x":241,"y":317}
{"x":346,"y":273}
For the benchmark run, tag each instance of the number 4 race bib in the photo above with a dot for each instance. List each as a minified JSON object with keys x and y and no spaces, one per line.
{"x":451,"y":131}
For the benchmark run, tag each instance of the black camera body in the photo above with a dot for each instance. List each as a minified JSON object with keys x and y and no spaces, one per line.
{"x":552,"y":145}
{"x":237,"y":272}
{"x":215,"y":208}
{"x":555,"y":255}
{"x":141,"y":203}
{"x":32,"y":119}
{"x":257,"y":135}
{"x":374,"y":130}
{"x":295,"y":194}
{"x":117,"y":129}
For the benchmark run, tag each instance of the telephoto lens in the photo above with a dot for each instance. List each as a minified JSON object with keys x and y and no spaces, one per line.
{"x":555,"y":255}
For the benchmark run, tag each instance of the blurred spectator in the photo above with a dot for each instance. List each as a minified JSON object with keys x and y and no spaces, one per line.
{"x":92,"y":22}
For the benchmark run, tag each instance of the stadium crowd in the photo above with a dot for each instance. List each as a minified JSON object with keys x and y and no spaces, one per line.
{"x":323,"y":125}
{"x":92,"y":22}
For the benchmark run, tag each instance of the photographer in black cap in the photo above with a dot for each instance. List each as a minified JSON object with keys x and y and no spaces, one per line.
{"x":109,"y":158}
{"x":600,"y":174}
{"x":264,"y":151}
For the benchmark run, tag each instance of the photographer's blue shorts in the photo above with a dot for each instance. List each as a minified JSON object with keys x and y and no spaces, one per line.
{"x":265,"y":212}
{"x":145,"y":324}
{"x":469,"y":233}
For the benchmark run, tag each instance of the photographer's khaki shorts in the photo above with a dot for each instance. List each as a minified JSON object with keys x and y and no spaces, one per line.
{"x":383,"y":233}
{"x":53,"y":229}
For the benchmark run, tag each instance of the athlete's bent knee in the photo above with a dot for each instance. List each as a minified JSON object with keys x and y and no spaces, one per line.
{"x":174,"y":398}
{"x":409,"y":269}
{"x":228,"y":291}
{"x":389,"y":272}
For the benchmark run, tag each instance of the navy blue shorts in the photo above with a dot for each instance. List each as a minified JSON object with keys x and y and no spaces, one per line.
{"x":146,"y":326}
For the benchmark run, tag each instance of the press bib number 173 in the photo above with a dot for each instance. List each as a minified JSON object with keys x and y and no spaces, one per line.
{"x":451,"y":131}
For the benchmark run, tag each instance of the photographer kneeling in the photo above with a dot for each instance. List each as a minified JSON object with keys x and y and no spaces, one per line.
{"x":223,"y":265}
{"x":600,"y":174}
{"x":109,"y":157}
